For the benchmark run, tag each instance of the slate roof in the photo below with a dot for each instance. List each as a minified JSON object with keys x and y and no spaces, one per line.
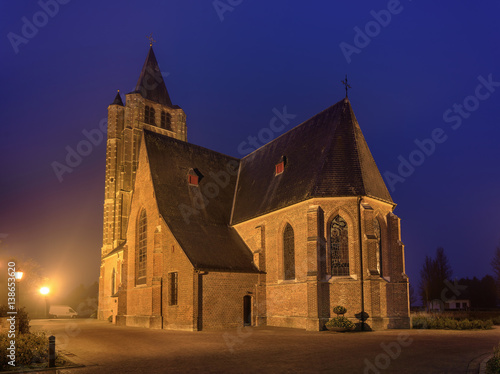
{"x":151,"y":85}
{"x":326,"y":156}
{"x":205,"y":236}
{"x":118,"y":100}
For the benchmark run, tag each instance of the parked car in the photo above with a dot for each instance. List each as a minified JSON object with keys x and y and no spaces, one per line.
{"x":62,"y":311}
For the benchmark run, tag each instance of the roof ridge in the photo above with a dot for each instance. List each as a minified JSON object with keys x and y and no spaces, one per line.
{"x":188,"y":143}
{"x":354,"y":121}
{"x":292,"y":129}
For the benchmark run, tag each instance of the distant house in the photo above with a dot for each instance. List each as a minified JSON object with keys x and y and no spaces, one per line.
{"x":438,"y":305}
{"x":463,"y":304}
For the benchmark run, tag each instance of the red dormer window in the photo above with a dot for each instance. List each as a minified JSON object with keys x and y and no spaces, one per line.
{"x":193,"y":180}
{"x":280,"y":167}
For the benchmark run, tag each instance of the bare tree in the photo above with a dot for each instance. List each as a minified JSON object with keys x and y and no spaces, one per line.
{"x":433,"y":274}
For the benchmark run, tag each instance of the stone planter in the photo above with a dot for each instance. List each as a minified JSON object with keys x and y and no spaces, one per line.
{"x":337,"y":329}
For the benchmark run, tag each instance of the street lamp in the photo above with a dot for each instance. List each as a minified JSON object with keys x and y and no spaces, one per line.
{"x":45,"y":291}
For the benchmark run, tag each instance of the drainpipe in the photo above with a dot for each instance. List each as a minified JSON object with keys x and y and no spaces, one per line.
{"x":362,"y":273}
{"x":161,"y":301}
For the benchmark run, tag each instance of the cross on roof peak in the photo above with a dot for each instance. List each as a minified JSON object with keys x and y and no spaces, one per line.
{"x":346,"y":84}
{"x":151,"y":40}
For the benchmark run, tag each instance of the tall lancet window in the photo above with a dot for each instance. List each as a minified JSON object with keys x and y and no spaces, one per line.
{"x":376,"y":228}
{"x":141,"y":252}
{"x":166,"y":121}
{"x":289,"y":252}
{"x":149,"y":115}
{"x":113,"y":282}
{"x":339,"y":247}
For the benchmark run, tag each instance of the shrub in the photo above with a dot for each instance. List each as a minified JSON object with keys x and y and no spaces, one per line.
{"x":22,"y":318}
{"x":340,"y":322}
{"x":449,"y":323}
{"x":339,"y":309}
{"x":493,"y":364}
{"x":30,"y":349}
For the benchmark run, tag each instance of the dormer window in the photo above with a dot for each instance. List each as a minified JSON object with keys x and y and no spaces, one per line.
{"x":194,"y":177}
{"x":149,"y":115}
{"x":193,"y":180}
{"x":280,"y":166}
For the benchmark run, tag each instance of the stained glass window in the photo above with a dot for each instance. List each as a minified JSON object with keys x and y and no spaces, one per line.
{"x":376,"y":227}
{"x":339,"y":247}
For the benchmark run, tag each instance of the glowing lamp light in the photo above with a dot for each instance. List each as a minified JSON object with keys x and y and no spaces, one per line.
{"x":18,"y":275}
{"x":44,"y":290}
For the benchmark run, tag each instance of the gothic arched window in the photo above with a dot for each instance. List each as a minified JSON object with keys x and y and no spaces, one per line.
{"x":141,"y":252}
{"x":339,"y":247}
{"x":149,"y":115}
{"x":289,"y":252}
{"x":166,"y":121}
{"x":376,"y":227}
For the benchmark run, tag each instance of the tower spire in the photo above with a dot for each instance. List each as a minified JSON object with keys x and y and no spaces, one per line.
{"x":150,"y":84}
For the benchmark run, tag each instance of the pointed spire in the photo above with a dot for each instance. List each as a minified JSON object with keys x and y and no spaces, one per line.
{"x":150,"y":84}
{"x":118,"y":99}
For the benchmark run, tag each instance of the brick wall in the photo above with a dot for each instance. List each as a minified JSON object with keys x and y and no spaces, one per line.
{"x":314,"y":292}
{"x":222,"y":298}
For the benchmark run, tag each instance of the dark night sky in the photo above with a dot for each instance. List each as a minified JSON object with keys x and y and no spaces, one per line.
{"x":228,"y":76}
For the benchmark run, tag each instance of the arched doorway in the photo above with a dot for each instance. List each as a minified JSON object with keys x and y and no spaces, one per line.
{"x":247,"y":310}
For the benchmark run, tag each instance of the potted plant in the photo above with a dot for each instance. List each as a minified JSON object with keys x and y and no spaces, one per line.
{"x":340,"y":323}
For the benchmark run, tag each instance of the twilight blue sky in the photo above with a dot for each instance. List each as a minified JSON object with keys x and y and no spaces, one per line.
{"x":228,"y":71}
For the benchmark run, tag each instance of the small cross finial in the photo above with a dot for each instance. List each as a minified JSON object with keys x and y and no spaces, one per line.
{"x":347,"y":86}
{"x":151,"y":40}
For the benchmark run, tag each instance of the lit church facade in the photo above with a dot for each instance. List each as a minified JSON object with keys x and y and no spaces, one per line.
{"x":194,"y":239}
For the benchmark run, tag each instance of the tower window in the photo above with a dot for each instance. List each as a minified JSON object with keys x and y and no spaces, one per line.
{"x":149,"y":115}
{"x":166,"y":121}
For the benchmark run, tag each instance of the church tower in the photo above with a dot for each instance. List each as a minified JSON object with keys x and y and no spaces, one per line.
{"x":147,"y":107}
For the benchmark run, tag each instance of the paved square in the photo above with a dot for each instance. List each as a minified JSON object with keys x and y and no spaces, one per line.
{"x":105,"y":348}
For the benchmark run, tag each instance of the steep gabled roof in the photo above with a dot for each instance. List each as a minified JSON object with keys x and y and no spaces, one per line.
{"x":205,"y":235}
{"x":326,"y":156}
{"x":151,"y":85}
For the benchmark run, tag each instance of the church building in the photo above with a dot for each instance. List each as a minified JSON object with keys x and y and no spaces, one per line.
{"x":194,"y":239}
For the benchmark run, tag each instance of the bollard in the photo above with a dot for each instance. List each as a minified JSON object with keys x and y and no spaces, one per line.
{"x":52,"y":351}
